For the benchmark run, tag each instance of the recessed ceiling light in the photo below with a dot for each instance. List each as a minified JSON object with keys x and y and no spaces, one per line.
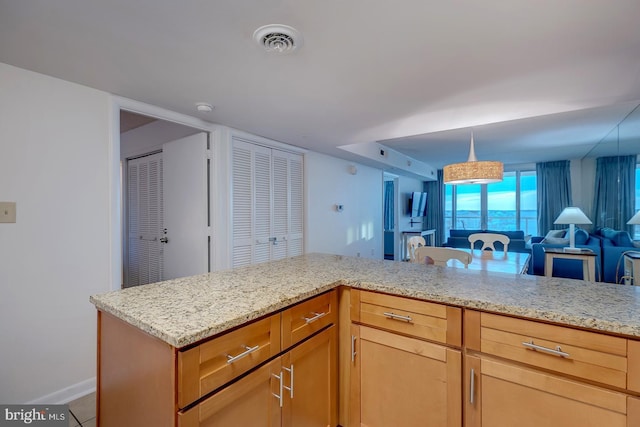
{"x":278,"y":38}
{"x":204,"y":107}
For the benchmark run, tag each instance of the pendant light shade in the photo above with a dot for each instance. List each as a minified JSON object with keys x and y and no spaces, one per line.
{"x":473,"y":171}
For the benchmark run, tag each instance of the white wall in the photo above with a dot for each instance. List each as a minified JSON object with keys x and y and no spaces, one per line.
{"x":148,"y":138}
{"x":358,"y":228}
{"x":405,"y":187}
{"x":54,"y":162}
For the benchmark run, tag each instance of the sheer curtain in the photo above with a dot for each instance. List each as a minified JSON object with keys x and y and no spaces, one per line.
{"x":435,"y":207}
{"x":388,"y":205}
{"x":614,"y":196}
{"x":554,"y":192}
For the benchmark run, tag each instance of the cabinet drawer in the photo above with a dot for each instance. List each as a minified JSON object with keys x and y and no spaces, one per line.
{"x":421,"y":319}
{"x":588,"y":355}
{"x":308,"y":317}
{"x":213,"y":363}
{"x":513,"y":395}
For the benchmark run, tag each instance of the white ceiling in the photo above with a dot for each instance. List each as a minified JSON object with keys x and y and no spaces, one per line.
{"x":414,"y":74}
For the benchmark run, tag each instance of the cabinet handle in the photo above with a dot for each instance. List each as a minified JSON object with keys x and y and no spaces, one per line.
{"x":249,"y":350}
{"x":279,"y":396}
{"x":472,"y":385}
{"x":398,"y":317}
{"x":290,"y":388}
{"x":314,"y":318}
{"x":556,"y":352}
{"x":353,"y":348}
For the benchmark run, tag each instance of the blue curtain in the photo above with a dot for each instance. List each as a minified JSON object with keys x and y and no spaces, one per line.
{"x":435,"y":207}
{"x":388,"y":205}
{"x":614,"y":197}
{"x":554,"y":192}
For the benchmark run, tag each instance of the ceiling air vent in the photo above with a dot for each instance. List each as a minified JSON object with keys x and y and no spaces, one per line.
{"x":278,"y":38}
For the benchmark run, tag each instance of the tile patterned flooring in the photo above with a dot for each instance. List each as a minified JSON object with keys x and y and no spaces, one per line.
{"x":83,"y":411}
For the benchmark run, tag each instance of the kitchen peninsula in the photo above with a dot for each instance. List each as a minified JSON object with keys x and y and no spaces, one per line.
{"x":154,"y":338}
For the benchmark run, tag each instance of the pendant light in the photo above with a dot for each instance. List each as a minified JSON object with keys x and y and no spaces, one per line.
{"x":473,"y":171}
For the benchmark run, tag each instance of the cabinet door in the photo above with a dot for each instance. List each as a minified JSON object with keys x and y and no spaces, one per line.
{"x":251,"y":401}
{"x":516,"y":396}
{"x":403,"y":381}
{"x":268,"y":203}
{"x":310,"y":378}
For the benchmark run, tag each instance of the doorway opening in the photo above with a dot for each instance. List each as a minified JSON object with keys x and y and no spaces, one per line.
{"x":390,"y":196}
{"x":165,"y":217}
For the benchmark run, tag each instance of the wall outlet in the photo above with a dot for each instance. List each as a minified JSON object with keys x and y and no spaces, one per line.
{"x":8,"y":212}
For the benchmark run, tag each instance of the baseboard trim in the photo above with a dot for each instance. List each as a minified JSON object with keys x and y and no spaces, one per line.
{"x":67,"y":394}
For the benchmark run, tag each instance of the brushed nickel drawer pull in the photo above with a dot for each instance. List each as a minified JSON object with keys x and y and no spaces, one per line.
{"x":280,"y":387}
{"x":556,"y":352}
{"x":314,"y":318}
{"x":398,"y":317}
{"x":290,"y":388}
{"x":472,"y":385}
{"x":249,"y":350}
{"x":353,"y":348}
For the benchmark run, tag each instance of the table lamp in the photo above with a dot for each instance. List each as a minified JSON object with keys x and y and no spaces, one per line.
{"x":635,"y":220}
{"x":572,"y":216}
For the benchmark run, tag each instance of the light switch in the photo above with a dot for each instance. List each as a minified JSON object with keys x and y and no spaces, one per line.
{"x":7,"y":212}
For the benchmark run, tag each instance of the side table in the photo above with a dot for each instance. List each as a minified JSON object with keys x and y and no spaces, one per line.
{"x":587,"y":256}
{"x":632,"y":268}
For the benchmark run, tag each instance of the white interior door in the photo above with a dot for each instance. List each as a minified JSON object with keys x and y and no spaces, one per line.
{"x":143,"y":261}
{"x":186,"y":214}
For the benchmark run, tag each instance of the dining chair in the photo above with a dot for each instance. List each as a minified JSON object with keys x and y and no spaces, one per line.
{"x":412,"y":244}
{"x":440,"y":256}
{"x":488,"y":240}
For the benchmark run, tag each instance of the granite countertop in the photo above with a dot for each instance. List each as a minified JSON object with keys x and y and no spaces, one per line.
{"x":184,"y":311}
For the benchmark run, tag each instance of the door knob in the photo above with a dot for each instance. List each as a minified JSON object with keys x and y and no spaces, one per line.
{"x":164,"y":240}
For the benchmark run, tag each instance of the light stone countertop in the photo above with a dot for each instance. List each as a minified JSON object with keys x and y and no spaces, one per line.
{"x":184,"y":311}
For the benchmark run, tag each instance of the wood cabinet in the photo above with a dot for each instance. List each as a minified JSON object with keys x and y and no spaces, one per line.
{"x":296,"y":389}
{"x":528,"y":373}
{"x":249,"y":401}
{"x":402,"y":362}
{"x":214,"y":363}
{"x":400,"y":373}
{"x":280,"y":370}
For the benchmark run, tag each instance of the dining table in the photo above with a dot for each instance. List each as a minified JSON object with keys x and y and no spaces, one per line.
{"x":498,"y":261}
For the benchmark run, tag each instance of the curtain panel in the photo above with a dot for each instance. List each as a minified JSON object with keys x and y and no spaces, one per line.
{"x":388,"y":205}
{"x":554,"y":192}
{"x":614,"y":195}
{"x":435,"y":207}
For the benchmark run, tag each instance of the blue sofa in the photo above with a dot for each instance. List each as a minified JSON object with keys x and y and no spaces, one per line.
{"x":567,"y":268}
{"x":613,"y":244}
{"x":460,"y":239}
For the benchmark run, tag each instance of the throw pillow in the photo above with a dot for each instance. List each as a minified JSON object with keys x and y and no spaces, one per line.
{"x":553,"y":236}
{"x":622,"y":238}
{"x":556,"y":240}
{"x":555,"y":233}
{"x":581,"y":236}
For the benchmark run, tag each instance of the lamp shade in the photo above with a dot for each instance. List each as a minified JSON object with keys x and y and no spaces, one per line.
{"x":635,"y":220}
{"x":473,"y":171}
{"x":572,"y":215}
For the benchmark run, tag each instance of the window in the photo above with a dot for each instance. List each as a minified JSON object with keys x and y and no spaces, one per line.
{"x":501,"y":204}
{"x":507,"y":205}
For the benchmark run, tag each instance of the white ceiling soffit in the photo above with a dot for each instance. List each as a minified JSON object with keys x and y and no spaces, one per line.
{"x":369,"y":70}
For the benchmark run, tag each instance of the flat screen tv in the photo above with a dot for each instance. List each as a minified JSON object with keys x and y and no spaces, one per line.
{"x":417,"y":204}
